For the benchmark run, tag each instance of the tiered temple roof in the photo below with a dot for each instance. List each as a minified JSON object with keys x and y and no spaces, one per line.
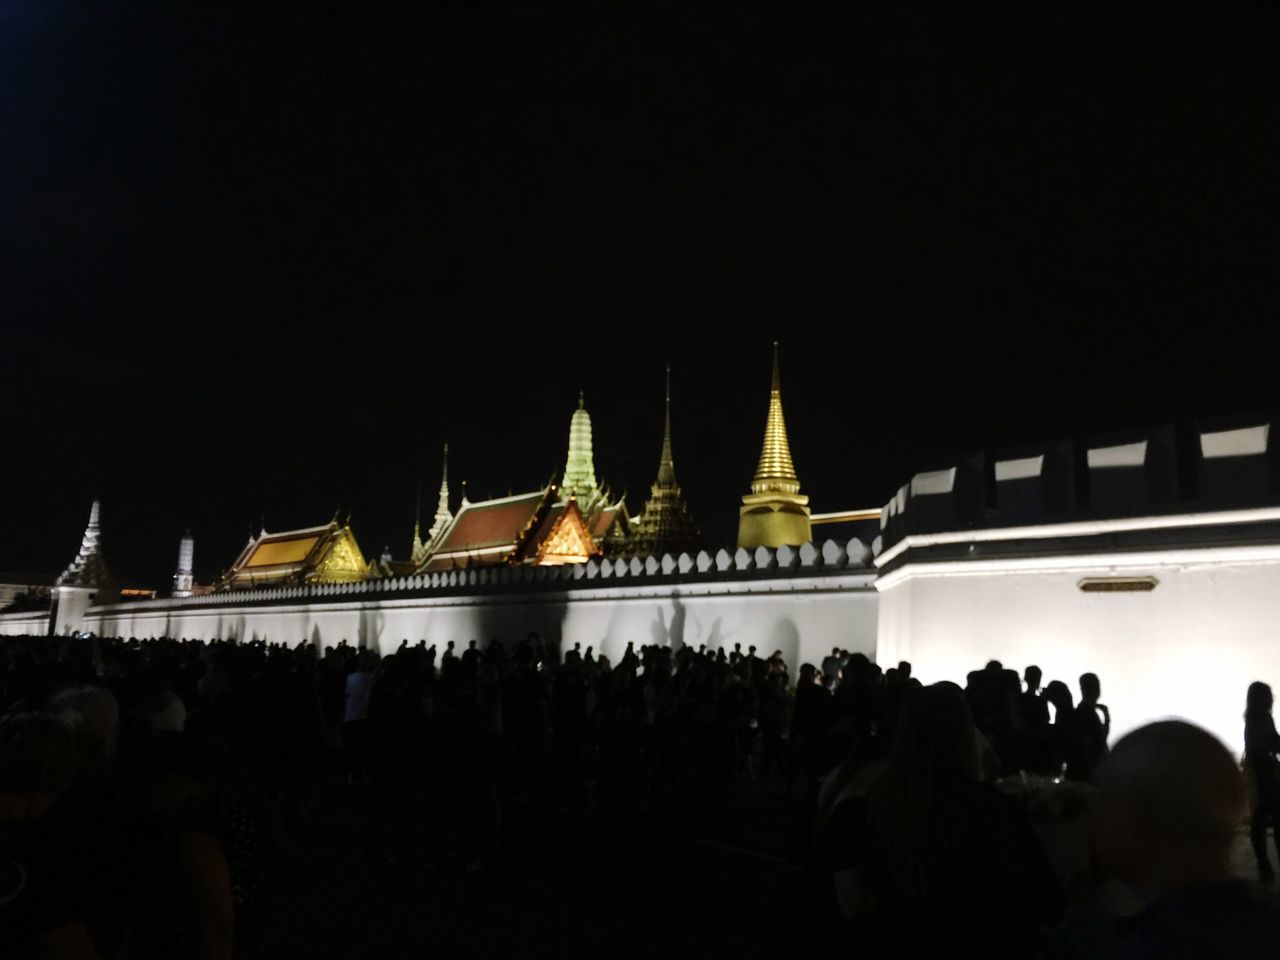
{"x":488,"y":532}
{"x":665,"y":526}
{"x":515,"y":529}
{"x":324,"y":554}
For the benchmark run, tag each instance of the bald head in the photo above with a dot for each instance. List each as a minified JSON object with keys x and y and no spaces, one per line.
{"x":1170,"y":800}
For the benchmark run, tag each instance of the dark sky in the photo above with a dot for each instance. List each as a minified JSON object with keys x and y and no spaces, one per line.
{"x":262,"y":259}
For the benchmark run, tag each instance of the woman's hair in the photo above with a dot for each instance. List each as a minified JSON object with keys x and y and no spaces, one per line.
{"x":935,"y":745}
{"x":1258,"y":700}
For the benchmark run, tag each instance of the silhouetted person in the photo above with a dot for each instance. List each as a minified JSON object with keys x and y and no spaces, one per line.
{"x":1093,"y":727}
{"x":831,"y":668}
{"x":355,"y":716}
{"x":1261,"y":744}
{"x":1033,"y":712}
{"x":218,"y":859}
{"x":1170,"y":801}
{"x":941,"y":863}
{"x":44,"y":899}
{"x":1063,"y":747}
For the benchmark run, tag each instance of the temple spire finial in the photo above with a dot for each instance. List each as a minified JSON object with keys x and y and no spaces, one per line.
{"x":440,"y":522}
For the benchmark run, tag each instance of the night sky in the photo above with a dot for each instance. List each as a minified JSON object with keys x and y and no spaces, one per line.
{"x":261,"y":260}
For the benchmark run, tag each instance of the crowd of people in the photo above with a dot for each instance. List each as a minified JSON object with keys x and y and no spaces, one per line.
{"x":148,"y":789}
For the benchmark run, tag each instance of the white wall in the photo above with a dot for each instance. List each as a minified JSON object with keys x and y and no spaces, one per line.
{"x":1189,"y":648}
{"x":802,"y":616}
{"x":32,"y":623}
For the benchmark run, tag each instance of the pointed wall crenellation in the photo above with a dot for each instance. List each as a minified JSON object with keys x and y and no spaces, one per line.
{"x":813,"y":561}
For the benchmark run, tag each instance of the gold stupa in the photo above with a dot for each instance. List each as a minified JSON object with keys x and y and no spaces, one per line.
{"x":775,"y":512}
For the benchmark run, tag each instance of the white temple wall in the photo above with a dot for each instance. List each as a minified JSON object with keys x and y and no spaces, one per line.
{"x":803,"y":618}
{"x":29,"y":623}
{"x":1189,"y":648}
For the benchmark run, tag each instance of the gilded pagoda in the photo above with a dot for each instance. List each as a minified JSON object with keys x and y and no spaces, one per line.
{"x":665,"y":525}
{"x":775,"y":512}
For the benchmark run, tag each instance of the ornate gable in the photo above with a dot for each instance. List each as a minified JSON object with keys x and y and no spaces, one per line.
{"x":343,"y":561}
{"x":568,"y":540}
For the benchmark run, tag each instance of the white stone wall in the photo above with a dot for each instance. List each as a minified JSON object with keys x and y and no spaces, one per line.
{"x":1189,"y":648}
{"x":32,"y":623}
{"x":803,"y":618}
{"x":800,"y":601}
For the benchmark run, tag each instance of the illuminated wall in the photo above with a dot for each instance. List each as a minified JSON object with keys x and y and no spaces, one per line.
{"x":1188,"y":648}
{"x":802,"y":602}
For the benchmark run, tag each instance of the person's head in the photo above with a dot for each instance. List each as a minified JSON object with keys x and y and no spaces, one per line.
{"x":223,"y":671}
{"x":1090,"y":688}
{"x":1258,"y":700}
{"x":37,"y":760}
{"x":1170,"y":800}
{"x":1059,"y":694}
{"x":1032,"y":676}
{"x":935,"y":738}
{"x":93,"y":717}
{"x":808,"y":674}
{"x":904,"y":670}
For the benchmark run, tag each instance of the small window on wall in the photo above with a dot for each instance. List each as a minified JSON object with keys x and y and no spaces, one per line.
{"x":1118,"y":584}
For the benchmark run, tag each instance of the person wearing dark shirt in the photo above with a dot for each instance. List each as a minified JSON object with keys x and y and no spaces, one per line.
{"x":218,"y":860}
{"x":1261,"y":744}
{"x":1092,"y":728}
{"x":1033,"y":712}
{"x":1170,"y":802}
{"x":935,"y":862}
{"x":44,"y":895}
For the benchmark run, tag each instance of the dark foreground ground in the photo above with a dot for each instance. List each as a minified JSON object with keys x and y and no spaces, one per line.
{"x":569,"y":884}
{"x":362,"y":882}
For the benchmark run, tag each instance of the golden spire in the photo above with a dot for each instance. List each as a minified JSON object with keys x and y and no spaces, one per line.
{"x":666,"y":464}
{"x":775,"y":472}
{"x":775,"y":511}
